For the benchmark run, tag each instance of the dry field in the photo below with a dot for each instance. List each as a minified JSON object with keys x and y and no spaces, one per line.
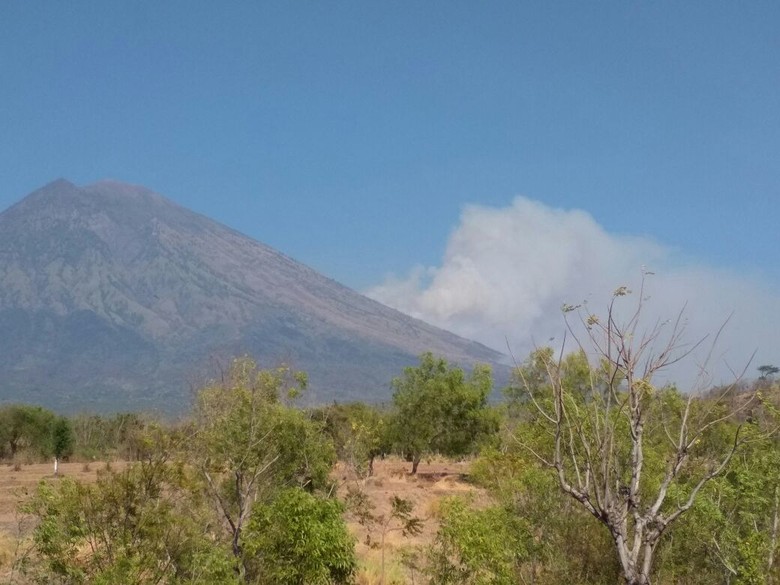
{"x":434,"y":480}
{"x":16,"y":484}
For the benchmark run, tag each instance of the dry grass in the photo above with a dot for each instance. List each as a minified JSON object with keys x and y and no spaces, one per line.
{"x":435,"y":480}
{"x":8,"y":545}
{"x":370,"y":573}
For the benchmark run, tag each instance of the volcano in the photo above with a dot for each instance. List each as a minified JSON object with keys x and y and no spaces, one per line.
{"x":113,"y":297}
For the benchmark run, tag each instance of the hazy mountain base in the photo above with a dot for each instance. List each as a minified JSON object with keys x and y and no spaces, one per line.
{"x":42,"y":351}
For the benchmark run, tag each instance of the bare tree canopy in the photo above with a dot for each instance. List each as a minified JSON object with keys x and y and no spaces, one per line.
{"x":633,"y":454}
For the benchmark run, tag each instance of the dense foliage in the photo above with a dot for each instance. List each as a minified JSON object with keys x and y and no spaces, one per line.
{"x":300,"y":539}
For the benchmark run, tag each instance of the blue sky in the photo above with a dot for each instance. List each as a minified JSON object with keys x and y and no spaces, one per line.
{"x":353,"y":136}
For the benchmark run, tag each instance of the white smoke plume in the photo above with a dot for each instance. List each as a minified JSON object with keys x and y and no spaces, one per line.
{"x":507,"y":272}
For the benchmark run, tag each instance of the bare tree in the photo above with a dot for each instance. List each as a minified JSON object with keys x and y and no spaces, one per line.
{"x":596,"y":440}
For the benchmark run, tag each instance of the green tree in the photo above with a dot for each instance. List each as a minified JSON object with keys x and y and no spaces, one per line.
{"x":299,"y":539}
{"x":61,"y":440}
{"x":248,"y":444}
{"x":240,"y":493}
{"x":438,"y":409}
{"x":106,"y":437}
{"x":531,"y":532}
{"x":360,"y":433}
{"x":731,"y":533}
{"x":25,"y":427}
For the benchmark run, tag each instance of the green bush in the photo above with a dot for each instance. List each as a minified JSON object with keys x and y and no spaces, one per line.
{"x":299,"y":539}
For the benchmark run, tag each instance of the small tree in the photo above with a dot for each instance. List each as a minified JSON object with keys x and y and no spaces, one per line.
{"x":25,"y":427}
{"x":400,"y":519}
{"x":597,"y":436}
{"x":247,"y":445}
{"x":61,"y":440}
{"x":439,"y":409}
{"x":767,"y":372}
{"x":367,"y":438}
{"x":360,"y":433}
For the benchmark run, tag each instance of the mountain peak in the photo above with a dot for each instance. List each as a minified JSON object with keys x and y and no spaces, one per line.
{"x":49,"y":194}
{"x":60,"y":183}
{"x":54,"y":188}
{"x":114,"y":186}
{"x":106,"y":187}
{"x":119,"y":190}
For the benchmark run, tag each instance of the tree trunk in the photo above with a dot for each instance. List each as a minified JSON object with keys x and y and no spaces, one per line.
{"x":56,"y":465}
{"x":636,"y":577}
{"x":238,"y":553}
{"x":635,"y":571}
{"x":415,"y":463}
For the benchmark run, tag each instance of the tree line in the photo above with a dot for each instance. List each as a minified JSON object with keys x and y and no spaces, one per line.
{"x":31,"y":434}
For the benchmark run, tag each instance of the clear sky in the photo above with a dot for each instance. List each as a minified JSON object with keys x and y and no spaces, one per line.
{"x":353,"y":136}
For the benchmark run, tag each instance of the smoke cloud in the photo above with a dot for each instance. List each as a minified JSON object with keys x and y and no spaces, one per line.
{"x":507,"y":272}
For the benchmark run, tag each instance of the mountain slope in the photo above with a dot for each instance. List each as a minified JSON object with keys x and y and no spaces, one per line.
{"x":112,"y":296}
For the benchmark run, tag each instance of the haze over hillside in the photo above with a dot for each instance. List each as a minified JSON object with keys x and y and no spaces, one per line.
{"x":112,"y":296}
